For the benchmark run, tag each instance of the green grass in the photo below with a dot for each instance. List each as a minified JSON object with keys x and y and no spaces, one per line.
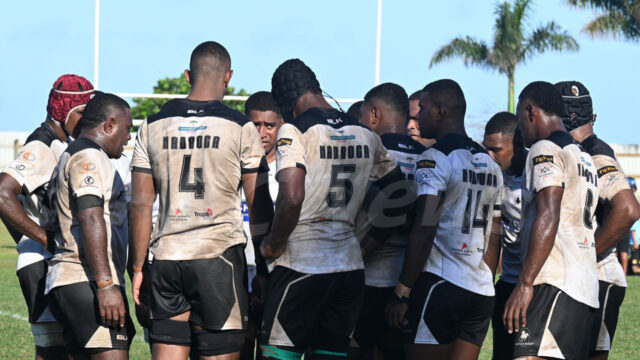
{"x":16,"y":341}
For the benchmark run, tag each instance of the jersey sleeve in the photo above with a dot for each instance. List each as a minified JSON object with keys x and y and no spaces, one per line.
{"x":290,"y":149}
{"x":251,"y":150}
{"x":432,"y":174}
{"x":611,"y":178}
{"x":87,"y":171}
{"x":140,"y":161}
{"x":383,"y":163}
{"x":547,"y":165}
{"x":33,"y":166}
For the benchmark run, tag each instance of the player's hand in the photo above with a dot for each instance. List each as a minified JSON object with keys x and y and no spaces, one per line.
{"x":111,"y":305}
{"x":395,"y":314}
{"x":368,"y":245}
{"x":136,"y":284}
{"x":515,"y":309}
{"x":258,"y":292}
{"x":269,"y":252}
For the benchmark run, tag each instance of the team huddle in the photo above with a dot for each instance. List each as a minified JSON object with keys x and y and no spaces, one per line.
{"x":309,"y":231}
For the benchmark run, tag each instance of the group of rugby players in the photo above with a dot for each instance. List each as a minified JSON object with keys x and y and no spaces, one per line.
{"x":383,"y":241}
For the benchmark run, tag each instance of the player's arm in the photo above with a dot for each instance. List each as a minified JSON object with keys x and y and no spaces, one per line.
{"x":13,"y":214}
{"x":143,"y":195}
{"x":260,"y":207}
{"x":545,"y":228}
{"x":625,"y":210}
{"x":288,"y":205}
{"x":492,"y":254}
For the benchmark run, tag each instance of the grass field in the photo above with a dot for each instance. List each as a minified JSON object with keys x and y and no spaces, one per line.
{"x":16,"y":340}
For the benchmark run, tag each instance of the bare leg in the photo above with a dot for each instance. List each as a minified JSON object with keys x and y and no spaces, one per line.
{"x":111,"y":355}
{"x":231,"y":356}
{"x":427,"y":351}
{"x":599,"y":355}
{"x":464,"y":350}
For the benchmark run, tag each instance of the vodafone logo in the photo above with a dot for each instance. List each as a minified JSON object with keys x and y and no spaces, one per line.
{"x":178,"y":212}
{"x":210,"y":212}
{"x":464,"y":246}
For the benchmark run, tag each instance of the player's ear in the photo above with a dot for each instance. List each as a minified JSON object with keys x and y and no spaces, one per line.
{"x":187,"y":74}
{"x":375,"y":111}
{"x":531,"y":112}
{"x":227,"y":78}
{"x":109,"y":125}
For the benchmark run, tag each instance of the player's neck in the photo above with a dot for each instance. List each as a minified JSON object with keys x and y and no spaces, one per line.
{"x":56,"y":127}
{"x":308,"y":101}
{"x":271,"y":156}
{"x":582,"y":133}
{"x":550,"y":126}
{"x":454,"y":129}
{"x":517,"y":163}
{"x":391,"y":127}
{"x":206,"y":93}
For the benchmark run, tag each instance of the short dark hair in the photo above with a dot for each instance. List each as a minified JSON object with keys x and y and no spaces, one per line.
{"x":261,"y":101}
{"x":415,"y":95}
{"x":503,"y":122}
{"x":209,"y":58}
{"x":392,"y":95}
{"x":99,"y":109}
{"x":448,"y":93}
{"x":355,"y":110}
{"x":545,"y":96}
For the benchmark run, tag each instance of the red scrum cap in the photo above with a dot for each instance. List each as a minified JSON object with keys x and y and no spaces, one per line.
{"x":68,"y":92}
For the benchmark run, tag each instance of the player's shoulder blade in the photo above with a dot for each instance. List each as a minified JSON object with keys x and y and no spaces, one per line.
{"x":595,"y":146}
{"x":402,"y":143}
{"x":190,"y":108}
{"x":43,"y":134}
{"x":451,"y":142}
{"x":561,"y":139}
{"x":82,"y":144}
{"x":324,"y":116}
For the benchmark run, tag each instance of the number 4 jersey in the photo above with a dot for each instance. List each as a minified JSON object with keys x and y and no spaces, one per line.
{"x":340,"y":157}
{"x":197,"y":152}
{"x":462,"y":172}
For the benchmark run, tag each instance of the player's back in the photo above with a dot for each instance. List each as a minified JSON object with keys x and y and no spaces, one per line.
{"x":462,"y":172}
{"x":197,"y":152}
{"x":340,"y":157}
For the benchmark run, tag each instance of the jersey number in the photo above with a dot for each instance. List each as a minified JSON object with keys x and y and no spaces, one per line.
{"x":197,"y":186}
{"x":467,"y":223}
{"x":587,"y":218}
{"x":333,"y":200}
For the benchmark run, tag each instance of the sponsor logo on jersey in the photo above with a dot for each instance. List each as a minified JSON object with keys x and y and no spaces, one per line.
{"x":342,"y":137}
{"x":192,"y":111}
{"x":607,"y":169}
{"x":335,"y":121}
{"x":545,"y":171}
{"x":192,"y":128}
{"x":88,"y":166}
{"x":122,"y":337}
{"x":585,"y":244}
{"x":284,"y":142}
{"x":178,"y":212}
{"x":179,"y":215}
{"x":541,"y":159}
{"x":426,"y":164}
{"x":523,"y":337}
{"x":89,"y":180}
{"x":479,"y":164}
{"x":19,"y":167}
{"x":204,"y":214}
{"x":422,"y":176}
{"x":462,"y":249}
{"x":406,"y":146}
{"x":29,"y":156}
{"x":405,"y":165}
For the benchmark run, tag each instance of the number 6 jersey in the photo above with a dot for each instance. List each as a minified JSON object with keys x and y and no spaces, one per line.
{"x":197,"y":152}
{"x":340,"y":157}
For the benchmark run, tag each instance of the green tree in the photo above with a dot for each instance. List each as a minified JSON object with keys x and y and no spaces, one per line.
{"x":617,"y":18}
{"x":178,"y":85}
{"x":512,"y":45}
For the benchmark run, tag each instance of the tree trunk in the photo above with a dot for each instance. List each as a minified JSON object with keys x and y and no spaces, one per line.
{"x":512,"y":107}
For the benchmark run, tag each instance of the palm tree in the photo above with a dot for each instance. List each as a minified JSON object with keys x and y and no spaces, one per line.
{"x":511,"y":45}
{"x":619,"y":18}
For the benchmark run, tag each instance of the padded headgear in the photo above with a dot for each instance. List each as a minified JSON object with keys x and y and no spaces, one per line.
{"x":289,"y":82}
{"x":68,"y":92}
{"x":577,"y":103}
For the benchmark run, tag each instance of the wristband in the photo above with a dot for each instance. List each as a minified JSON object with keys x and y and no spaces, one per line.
{"x":106,"y":287}
{"x":399,"y":299}
{"x":107,"y":281}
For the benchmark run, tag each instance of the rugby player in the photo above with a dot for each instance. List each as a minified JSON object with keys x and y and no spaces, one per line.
{"x":264,"y":112}
{"x":504,"y":144}
{"x":355,"y":110}
{"x":413,"y":127}
{"x":552,"y":306}
{"x":324,"y":160}
{"x":385,"y":111}
{"x":23,"y":188}
{"x":196,"y":153}
{"x":86,"y":274}
{"x":448,"y":301}
{"x":616,"y":211}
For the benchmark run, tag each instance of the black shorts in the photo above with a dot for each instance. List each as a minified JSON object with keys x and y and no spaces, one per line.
{"x":32,"y":280}
{"x":557,"y":326}
{"x":311,"y":311}
{"x":623,"y":244}
{"x":76,"y":308}
{"x":605,"y":321}
{"x":502,"y":340}
{"x":213,"y":290}
{"x":440,"y":312}
{"x":372,"y":328}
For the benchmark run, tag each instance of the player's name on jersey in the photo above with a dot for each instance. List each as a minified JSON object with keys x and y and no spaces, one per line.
{"x":190,"y":142}
{"x":344,"y":152}
{"x":585,"y":173}
{"x":479,"y":178}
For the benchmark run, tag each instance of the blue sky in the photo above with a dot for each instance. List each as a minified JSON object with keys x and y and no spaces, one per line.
{"x":143,"y":41}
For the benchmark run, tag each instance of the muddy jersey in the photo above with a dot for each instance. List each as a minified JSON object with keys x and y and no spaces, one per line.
{"x":611,"y":180}
{"x":571,"y":265}
{"x":383,"y":266}
{"x":196,"y":152}
{"x":462,"y":172}
{"x":32,"y":169}
{"x":340,"y":157}
{"x":86,"y":178}
{"x":510,"y":218}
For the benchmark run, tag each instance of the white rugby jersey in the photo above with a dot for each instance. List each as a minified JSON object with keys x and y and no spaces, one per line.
{"x":383,"y":266}
{"x":32,"y":169}
{"x":511,"y":210}
{"x":611,"y":180}
{"x":571,"y":265}
{"x":462,"y":172}
{"x":340,"y":157}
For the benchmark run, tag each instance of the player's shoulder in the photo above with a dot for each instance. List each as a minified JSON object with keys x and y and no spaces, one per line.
{"x":595,"y":146}
{"x":189,"y":108}
{"x":84,"y":148}
{"x":42,"y":134}
{"x":402,"y":143}
{"x":452,"y":142}
{"x":324,"y":116}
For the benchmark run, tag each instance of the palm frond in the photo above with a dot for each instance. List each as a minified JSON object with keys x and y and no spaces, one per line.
{"x":548,"y":37}
{"x":471,"y":51}
{"x":613,"y":24}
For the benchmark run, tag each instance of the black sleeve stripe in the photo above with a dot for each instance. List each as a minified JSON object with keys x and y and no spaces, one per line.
{"x":141,"y":169}
{"x":496,"y":207}
{"x":89,"y":201}
{"x":301,"y":166}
